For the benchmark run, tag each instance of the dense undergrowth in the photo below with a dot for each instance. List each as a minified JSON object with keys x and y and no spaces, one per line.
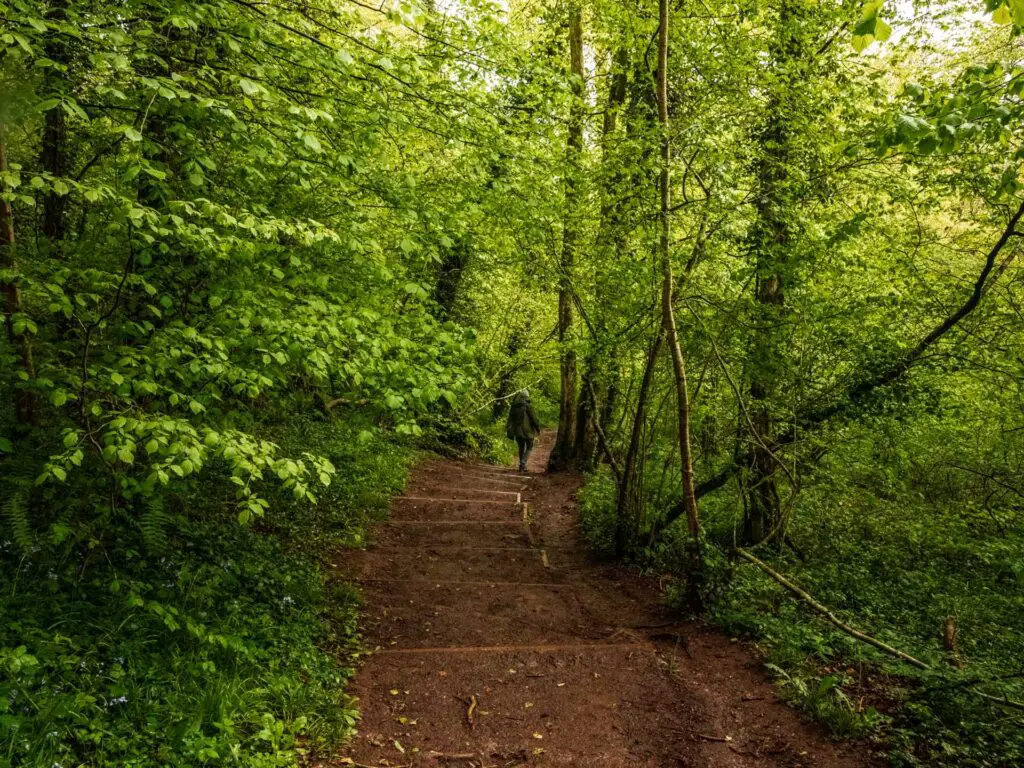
{"x":897,"y":556}
{"x":184,"y":638}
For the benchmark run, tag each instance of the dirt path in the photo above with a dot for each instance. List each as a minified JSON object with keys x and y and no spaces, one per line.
{"x":499,"y":643}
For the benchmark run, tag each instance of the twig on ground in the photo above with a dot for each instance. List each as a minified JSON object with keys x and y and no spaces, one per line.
{"x":446,"y":756}
{"x":471,"y":705}
{"x":706,"y":737}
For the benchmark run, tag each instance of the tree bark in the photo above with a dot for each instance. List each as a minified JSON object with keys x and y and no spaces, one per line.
{"x":630,"y":502}
{"x":771,"y":242}
{"x":562,"y":455}
{"x":449,"y":277}
{"x":585,"y":437}
{"x":53,"y":156}
{"x":597,"y":371}
{"x":669,"y":319}
{"x":26,"y":404}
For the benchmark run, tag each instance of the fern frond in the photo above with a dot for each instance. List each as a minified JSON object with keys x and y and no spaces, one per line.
{"x":14,"y":511}
{"x":154,"y":523}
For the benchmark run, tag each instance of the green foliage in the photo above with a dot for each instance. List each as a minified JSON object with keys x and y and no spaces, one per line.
{"x":897,"y":562}
{"x":193,"y":640}
{"x":154,"y":523}
{"x":228,"y":223}
{"x":597,"y":513}
{"x":15,"y":515}
{"x":263,"y":249}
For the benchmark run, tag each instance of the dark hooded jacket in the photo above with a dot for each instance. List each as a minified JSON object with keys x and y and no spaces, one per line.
{"x":522,"y":421}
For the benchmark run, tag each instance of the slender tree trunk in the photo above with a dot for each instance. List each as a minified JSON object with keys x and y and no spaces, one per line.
{"x":53,"y":156}
{"x":599,"y":361}
{"x":585,"y":437}
{"x":762,"y":512}
{"x":630,"y":497}
{"x":506,"y":379}
{"x":562,"y":455}
{"x":26,"y":403}
{"x":668,"y":315}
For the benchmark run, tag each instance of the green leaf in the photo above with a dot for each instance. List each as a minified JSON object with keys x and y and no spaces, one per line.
{"x":1017,"y":8}
{"x":312,"y":142}
{"x":249,"y":88}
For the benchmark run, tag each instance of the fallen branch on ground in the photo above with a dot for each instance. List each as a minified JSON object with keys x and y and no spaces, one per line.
{"x":821,"y":609}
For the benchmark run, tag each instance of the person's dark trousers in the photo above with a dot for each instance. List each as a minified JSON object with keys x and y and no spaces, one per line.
{"x":525,"y":446}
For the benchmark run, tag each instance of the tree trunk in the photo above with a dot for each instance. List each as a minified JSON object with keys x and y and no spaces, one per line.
{"x":585,"y":438}
{"x":762,"y":512}
{"x":630,"y":497}
{"x":598,"y":368}
{"x":506,"y":379}
{"x":562,"y":455}
{"x":770,"y":245}
{"x":669,"y":320}
{"x":53,"y":156}
{"x":26,"y":404}
{"x":449,"y":277}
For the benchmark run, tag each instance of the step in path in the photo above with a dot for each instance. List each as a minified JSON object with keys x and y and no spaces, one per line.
{"x":497,"y":641}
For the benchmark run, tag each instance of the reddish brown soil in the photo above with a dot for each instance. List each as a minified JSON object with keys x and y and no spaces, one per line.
{"x":497,"y":641}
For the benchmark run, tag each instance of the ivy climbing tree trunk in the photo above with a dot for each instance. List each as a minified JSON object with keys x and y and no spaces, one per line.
{"x":669,"y":319}
{"x":563,"y":454}
{"x":770,"y":241}
{"x":771,"y":244}
{"x":26,"y":404}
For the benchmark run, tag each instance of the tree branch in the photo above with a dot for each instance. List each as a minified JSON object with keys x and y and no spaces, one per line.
{"x":889,"y":374}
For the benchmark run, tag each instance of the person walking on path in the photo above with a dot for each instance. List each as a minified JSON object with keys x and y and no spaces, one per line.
{"x":523,"y":426}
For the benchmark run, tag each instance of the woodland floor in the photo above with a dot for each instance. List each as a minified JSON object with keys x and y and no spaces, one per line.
{"x":500,"y":642}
